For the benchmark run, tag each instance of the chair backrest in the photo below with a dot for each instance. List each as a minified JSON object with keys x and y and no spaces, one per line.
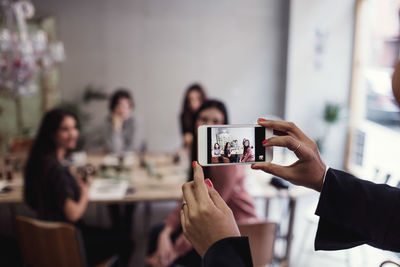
{"x":49,"y":243}
{"x":225,"y":160}
{"x":261,"y":238}
{"x":20,"y":144}
{"x":214,"y":160}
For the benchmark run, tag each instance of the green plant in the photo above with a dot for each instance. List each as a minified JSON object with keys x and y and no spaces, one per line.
{"x":92,"y":93}
{"x":75,"y":108}
{"x":331,"y":113}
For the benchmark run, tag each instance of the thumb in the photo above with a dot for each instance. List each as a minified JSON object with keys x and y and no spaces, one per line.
{"x":198,"y":179}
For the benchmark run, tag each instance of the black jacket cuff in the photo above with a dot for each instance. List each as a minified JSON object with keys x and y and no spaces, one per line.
{"x":231,"y":251}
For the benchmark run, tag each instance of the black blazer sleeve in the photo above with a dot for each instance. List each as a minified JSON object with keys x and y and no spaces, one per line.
{"x":231,"y":251}
{"x":354,"y":212}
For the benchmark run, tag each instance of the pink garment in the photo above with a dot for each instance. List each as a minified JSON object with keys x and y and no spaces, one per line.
{"x":249,"y":156}
{"x":229,"y":182}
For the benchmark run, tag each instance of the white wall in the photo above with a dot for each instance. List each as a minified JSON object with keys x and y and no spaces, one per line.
{"x":309,"y":88}
{"x":236,"y":49}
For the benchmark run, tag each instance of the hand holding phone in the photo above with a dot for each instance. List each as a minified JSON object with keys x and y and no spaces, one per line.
{"x":233,"y":144}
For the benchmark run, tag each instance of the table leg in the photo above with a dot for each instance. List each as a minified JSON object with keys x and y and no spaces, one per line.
{"x":98,"y":211}
{"x":13,"y":214}
{"x":289,"y":237}
{"x":267,"y":206}
{"x":147,"y":216}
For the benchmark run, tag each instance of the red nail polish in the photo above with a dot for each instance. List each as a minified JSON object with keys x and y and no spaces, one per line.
{"x":208,"y":182}
{"x":193,"y":164}
{"x":261,"y":119}
{"x":265,"y":141}
{"x":255,"y":167}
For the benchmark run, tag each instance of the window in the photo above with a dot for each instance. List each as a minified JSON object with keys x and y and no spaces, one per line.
{"x":374,"y":139}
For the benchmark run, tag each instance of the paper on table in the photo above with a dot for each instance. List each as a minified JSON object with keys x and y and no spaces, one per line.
{"x":128,"y":158}
{"x":108,"y":189}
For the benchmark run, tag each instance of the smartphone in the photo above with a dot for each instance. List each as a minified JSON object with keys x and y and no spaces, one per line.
{"x":233,"y":144}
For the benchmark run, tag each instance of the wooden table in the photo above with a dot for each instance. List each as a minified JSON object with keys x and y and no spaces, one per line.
{"x":147,"y":187}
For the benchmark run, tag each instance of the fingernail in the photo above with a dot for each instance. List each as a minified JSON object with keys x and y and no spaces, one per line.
{"x":261,"y":119}
{"x":265,"y":141}
{"x":255,"y":167}
{"x":208,"y":182}
{"x":193,"y":164}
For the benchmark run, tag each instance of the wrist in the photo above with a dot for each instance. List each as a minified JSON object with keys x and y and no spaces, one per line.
{"x":85,"y":196}
{"x":320,"y":184}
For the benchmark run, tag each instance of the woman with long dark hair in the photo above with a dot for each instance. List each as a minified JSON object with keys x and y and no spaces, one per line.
{"x":52,"y":191}
{"x":247,"y":152}
{"x":194,"y":98}
{"x":57,"y":135}
{"x":167,"y":243}
{"x":228,"y":152}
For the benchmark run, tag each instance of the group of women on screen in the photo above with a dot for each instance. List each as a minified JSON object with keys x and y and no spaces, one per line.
{"x":228,"y":155}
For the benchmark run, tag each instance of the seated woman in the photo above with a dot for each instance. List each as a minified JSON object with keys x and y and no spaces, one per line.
{"x":120,"y":133}
{"x":120,"y":136}
{"x":194,"y":98}
{"x":247,"y":153}
{"x":228,"y":152}
{"x":56,"y":195}
{"x":217,"y":154}
{"x":167,"y":243}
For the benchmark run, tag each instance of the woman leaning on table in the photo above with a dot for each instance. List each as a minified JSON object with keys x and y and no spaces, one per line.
{"x":56,"y":195}
{"x":352,"y":211}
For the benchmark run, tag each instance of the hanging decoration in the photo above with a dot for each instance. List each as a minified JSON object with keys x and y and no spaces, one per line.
{"x":23,"y":52}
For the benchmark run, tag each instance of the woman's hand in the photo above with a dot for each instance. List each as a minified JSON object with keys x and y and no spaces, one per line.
{"x":73,"y":210}
{"x":117,"y":122}
{"x":165,"y":254}
{"x":205,"y":217}
{"x":309,"y":170}
{"x":188,"y":140}
{"x":84,"y":187}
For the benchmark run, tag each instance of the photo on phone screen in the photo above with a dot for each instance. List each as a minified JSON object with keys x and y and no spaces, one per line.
{"x":235,"y":145}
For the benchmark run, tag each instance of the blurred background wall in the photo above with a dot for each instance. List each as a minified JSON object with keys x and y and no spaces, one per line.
{"x":319,"y":69}
{"x":261,"y":57}
{"x":236,"y":49}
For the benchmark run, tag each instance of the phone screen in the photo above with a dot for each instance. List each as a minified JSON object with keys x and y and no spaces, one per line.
{"x":235,"y":145}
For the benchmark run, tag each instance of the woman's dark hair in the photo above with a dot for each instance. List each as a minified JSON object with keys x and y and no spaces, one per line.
{"x":211,"y":104}
{"x":119,"y":94}
{"x":226,"y":145}
{"x":216,"y":144}
{"x":245,"y":147}
{"x":187,"y":114}
{"x":44,"y":145}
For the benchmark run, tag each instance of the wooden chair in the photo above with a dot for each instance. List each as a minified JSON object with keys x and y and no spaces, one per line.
{"x":48,"y":244}
{"x":261,"y":238}
{"x":20,"y":145}
{"x":214,"y":160}
{"x":225,"y":160}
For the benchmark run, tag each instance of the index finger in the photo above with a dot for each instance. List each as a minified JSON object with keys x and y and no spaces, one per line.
{"x":283,"y":126}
